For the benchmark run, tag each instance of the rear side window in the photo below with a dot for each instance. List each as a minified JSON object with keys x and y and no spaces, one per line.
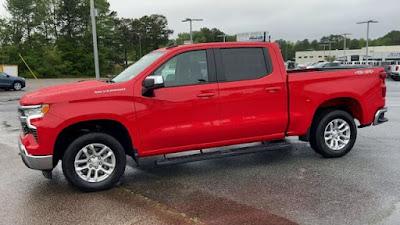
{"x":243,"y":63}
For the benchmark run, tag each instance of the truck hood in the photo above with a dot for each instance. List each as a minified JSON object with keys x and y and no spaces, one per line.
{"x":64,"y":93}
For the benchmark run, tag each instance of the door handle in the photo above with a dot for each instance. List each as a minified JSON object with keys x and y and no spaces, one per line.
{"x":206,"y":95}
{"x":273,"y":89}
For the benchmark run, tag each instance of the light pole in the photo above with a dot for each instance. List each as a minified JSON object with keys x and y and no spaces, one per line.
{"x":324,"y":45}
{"x":95,"y":50}
{"x":140,"y":44}
{"x":367,"y":22}
{"x":223,"y":36}
{"x":344,"y":47}
{"x":191,"y":28}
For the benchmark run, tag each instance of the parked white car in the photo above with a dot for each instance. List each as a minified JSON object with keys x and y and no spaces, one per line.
{"x":394,"y":71}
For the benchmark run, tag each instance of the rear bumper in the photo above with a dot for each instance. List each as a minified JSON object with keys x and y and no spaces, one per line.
{"x":35,"y":162}
{"x":380,"y":116}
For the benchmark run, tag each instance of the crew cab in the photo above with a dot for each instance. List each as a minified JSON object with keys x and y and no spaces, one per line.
{"x":191,"y":97}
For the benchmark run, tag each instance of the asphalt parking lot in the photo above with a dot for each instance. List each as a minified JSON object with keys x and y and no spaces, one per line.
{"x":291,"y":186}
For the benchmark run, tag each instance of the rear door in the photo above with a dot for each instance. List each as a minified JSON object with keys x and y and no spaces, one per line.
{"x":253,"y":97}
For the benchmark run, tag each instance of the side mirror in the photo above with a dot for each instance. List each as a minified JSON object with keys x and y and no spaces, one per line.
{"x":151,"y":83}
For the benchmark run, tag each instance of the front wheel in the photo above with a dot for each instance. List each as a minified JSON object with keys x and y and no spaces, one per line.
{"x":334,"y":135}
{"x":94,"y":162}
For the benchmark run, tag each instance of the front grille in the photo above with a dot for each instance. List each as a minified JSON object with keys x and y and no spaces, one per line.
{"x":21,"y":112}
{"x":34,"y":132}
{"x":25,"y":129}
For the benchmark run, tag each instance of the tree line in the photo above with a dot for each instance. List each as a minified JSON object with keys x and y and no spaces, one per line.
{"x":289,"y":48}
{"x":55,"y":38}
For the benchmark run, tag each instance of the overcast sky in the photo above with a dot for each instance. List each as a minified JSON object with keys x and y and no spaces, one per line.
{"x":286,"y":19}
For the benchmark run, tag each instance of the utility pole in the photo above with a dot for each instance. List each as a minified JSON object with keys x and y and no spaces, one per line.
{"x":367,"y":22}
{"x":324,"y":45}
{"x":191,"y":28}
{"x":328,"y":43}
{"x":344,"y":47}
{"x":223,"y":36}
{"x":140,"y":45}
{"x":95,"y":50}
{"x":286,"y":56}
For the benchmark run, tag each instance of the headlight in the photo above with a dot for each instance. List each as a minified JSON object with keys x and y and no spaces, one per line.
{"x":29,"y":113}
{"x":36,"y":110}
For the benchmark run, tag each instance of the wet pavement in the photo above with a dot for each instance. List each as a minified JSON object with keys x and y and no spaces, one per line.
{"x":288,"y":186}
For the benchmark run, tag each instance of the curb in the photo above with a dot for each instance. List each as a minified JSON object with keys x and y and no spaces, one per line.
{"x":10,"y":100}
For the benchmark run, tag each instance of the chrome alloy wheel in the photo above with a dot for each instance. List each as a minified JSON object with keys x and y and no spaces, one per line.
{"x":94,"y":162}
{"x":337,"y":134}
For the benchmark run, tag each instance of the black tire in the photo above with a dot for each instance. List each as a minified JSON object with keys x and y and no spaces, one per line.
{"x":17,"y":86}
{"x":317,"y":136}
{"x":313,"y":145}
{"x":74,"y":148}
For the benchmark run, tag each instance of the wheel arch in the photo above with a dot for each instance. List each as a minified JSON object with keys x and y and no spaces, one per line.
{"x":348,"y":104}
{"x":111,"y":127}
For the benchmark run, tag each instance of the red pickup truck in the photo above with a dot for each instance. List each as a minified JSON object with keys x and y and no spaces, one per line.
{"x":191,"y":97}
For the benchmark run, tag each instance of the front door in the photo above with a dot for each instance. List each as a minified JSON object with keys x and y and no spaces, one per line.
{"x":184,"y":114}
{"x":4,"y":80}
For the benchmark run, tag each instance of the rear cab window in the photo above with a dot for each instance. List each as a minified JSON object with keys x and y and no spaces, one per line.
{"x":242,"y":63}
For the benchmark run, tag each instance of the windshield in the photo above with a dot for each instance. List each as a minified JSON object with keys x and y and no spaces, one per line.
{"x":321,"y":64}
{"x":138,"y":67}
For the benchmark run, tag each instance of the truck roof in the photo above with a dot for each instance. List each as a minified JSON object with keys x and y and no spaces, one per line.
{"x":218,"y":45}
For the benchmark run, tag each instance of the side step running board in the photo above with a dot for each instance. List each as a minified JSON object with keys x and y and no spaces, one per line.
{"x":223,"y":153}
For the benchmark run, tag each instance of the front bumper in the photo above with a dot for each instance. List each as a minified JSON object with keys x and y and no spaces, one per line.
{"x":35,"y":162}
{"x":380,"y":116}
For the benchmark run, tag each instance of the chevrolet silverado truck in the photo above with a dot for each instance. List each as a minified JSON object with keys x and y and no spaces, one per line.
{"x":192,"y":97}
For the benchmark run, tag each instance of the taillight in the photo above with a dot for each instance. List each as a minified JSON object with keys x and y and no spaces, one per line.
{"x":389,"y":68}
{"x":397,"y":68}
{"x":384,"y":91}
{"x":382,"y":75}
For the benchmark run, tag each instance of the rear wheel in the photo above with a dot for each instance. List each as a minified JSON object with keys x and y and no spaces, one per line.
{"x":17,"y":86}
{"x":94,"y":162}
{"x":333,"y":134}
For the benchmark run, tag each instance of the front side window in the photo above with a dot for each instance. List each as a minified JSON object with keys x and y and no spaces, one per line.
{"x":189,"y":68}
{"x":243,"y":63}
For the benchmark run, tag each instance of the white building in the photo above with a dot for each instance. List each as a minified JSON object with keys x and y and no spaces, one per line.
{"x":375,"y":53}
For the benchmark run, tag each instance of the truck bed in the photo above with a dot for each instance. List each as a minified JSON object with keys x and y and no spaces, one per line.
{"x":358,"y":88}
